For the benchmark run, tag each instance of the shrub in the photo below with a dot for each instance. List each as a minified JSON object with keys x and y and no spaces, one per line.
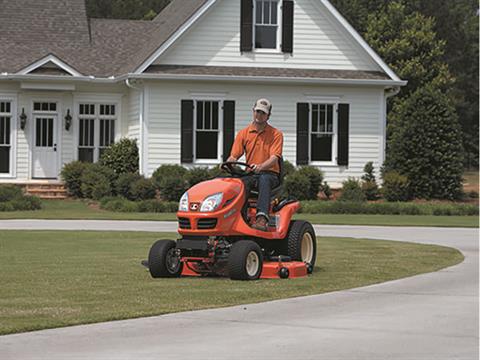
{"x":26,"y":202}
{"x":395,"y":187}
{"x":370,"y":190}
{"x":315,"y":178}
{"x":6,"y":206}
{"x":288,"y":168}
{"x":121,"y":157}
{"x":123,"y":185}
{"x":143,"y":189}
{"x":170,"y":180}
{"x":96,"y":181}
{"x":352,"y":191}
{"x":426,"y":144}
{"x":119,"y":204}
{"x":327,"y":190}
{"x":473,"y":194}
{"x":369,"y":183}
{"x":391,"y":208}
{"x":71,"y":175}
{"x":10,"y":192}
{"x":297,"y":186}
{"x":197,"y":175}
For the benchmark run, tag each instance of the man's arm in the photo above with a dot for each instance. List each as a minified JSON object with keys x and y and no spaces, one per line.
{"x":266,"y":165}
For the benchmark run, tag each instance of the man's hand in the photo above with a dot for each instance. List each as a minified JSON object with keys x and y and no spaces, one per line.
{"x":257,"y":168}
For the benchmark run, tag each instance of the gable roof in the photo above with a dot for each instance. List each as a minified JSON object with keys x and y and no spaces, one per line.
{"x":32,"y":30}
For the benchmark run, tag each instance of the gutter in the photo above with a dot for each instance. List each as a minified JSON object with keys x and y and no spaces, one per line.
{"x":267,"y":79}
{"x":270,"y":79}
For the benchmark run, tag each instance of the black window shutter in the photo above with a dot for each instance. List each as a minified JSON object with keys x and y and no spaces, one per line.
{"x":246,"y":25}
{"x":287,"y":26}
{"x":187,"y":131}
{"x":228,"y":127}
{"x":302,"y":133}
{"x":343,"y":116}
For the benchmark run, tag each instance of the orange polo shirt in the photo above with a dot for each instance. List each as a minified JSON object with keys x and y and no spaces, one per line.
{"x":258,"y":146}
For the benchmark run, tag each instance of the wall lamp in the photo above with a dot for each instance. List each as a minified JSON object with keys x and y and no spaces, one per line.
{"x":68,"y":120}
{"x":23,"y":119}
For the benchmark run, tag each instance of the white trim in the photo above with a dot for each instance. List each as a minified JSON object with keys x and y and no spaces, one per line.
{"x":334,"y":161}
{"x":144,"y":130}
{"x":323,"y":99}
{"x":208,"y":96}
{"x":220,"y":133}
{"x":271,"y":79}
{"x":50,"y":58}
{"x":97,"y":99}
{"x":46,"y":86}
{"x":359,"y":39}
{"x":185,"y":26}
{"x":12,"y":97}
{"x":58,"y":133}
{"x":278,"y":48}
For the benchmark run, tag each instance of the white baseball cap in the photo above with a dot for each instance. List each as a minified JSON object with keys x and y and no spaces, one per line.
{"x":263,"y":105}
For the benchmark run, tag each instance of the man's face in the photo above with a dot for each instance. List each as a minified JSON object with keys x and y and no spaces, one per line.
{"x":260,"y":117}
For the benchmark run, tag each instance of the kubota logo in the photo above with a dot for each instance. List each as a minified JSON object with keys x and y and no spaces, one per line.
{"x":194,"y":206}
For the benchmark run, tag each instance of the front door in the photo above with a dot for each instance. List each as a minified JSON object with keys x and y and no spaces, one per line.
{"x":45,"y":156}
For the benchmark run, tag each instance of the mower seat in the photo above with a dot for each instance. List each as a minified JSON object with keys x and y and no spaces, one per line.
{"x":276,"y":191}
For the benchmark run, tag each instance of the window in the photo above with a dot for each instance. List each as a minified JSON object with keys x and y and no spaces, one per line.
{"x":322,"y":132}
{"x":96,"y":130}
{"x":207,"y":130}
{"x":266,"y":24}
{"x":45,"y":106}
{"x":5,"y":137}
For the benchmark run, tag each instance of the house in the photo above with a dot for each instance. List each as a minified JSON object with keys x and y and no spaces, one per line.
{"x":184,"y":83}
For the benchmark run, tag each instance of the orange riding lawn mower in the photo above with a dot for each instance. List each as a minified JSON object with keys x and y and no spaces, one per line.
{"x":214,"y":221}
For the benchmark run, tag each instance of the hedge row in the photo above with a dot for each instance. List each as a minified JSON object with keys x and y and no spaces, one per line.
{"x":13,"y":199}
{"x":311,"y":207}
{"x":120,"y":204}
{"x":391,"y":208}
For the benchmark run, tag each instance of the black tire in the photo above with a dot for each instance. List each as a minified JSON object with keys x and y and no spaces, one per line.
{"x":160,"y":260}
{"x":245,"y":261}
{"x":302,"y":231}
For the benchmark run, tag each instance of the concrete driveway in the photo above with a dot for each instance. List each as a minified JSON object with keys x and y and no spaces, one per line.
{"x":430,"y":316}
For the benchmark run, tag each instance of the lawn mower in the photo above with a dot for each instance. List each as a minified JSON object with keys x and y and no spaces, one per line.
{"x":214,"y":221}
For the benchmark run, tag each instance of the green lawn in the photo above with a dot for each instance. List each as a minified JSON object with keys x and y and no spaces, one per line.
{"x":76,"y":209}
{"x":53,"y":278}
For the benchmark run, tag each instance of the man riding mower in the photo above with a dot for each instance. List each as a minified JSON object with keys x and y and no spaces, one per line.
{"x":215,"y":219}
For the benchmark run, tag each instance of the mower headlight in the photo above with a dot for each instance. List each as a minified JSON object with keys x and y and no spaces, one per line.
{"x":211,"y":202}
{"x":183,"y":204}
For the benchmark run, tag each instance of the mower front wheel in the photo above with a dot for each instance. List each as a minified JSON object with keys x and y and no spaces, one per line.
{"x":163,"y":261}
{"x":245,"y":261}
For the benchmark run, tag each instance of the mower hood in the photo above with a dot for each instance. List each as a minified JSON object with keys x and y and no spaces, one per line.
{"x":229,"y":187}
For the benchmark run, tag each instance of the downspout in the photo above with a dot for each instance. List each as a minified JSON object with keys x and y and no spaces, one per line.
{"x":141,"y":145}
{"x":389,"y":92}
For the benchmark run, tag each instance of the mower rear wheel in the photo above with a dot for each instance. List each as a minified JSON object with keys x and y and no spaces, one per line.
{"x":301,"y":242}
{"x":245,"y":261}
{"x":163,"y":261}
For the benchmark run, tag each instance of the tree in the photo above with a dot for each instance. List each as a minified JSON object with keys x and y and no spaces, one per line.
{"x":408,"y":43}
{"x":426,"y":144}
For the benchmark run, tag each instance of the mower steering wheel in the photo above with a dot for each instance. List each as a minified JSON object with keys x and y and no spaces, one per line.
{"x":229,"y":167}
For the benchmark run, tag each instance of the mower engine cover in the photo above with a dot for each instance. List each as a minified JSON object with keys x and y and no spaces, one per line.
{"x":202,"y":196}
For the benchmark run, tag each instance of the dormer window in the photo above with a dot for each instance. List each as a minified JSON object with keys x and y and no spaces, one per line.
{"x":266,"y":24}
{"x":266,"y":34}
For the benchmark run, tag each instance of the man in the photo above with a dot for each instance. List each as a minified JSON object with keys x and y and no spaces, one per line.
{"x":262,"y":145}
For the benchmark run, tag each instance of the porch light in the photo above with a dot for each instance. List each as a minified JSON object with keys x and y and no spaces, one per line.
{"x":23,"y":119}
{"x":68,"y":120}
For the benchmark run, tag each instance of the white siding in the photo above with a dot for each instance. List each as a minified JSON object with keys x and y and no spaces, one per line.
{"x":66,"y":140}
{"x":132,"y":129}
{"x":320,"y":42}
{"x":366,"y":119}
